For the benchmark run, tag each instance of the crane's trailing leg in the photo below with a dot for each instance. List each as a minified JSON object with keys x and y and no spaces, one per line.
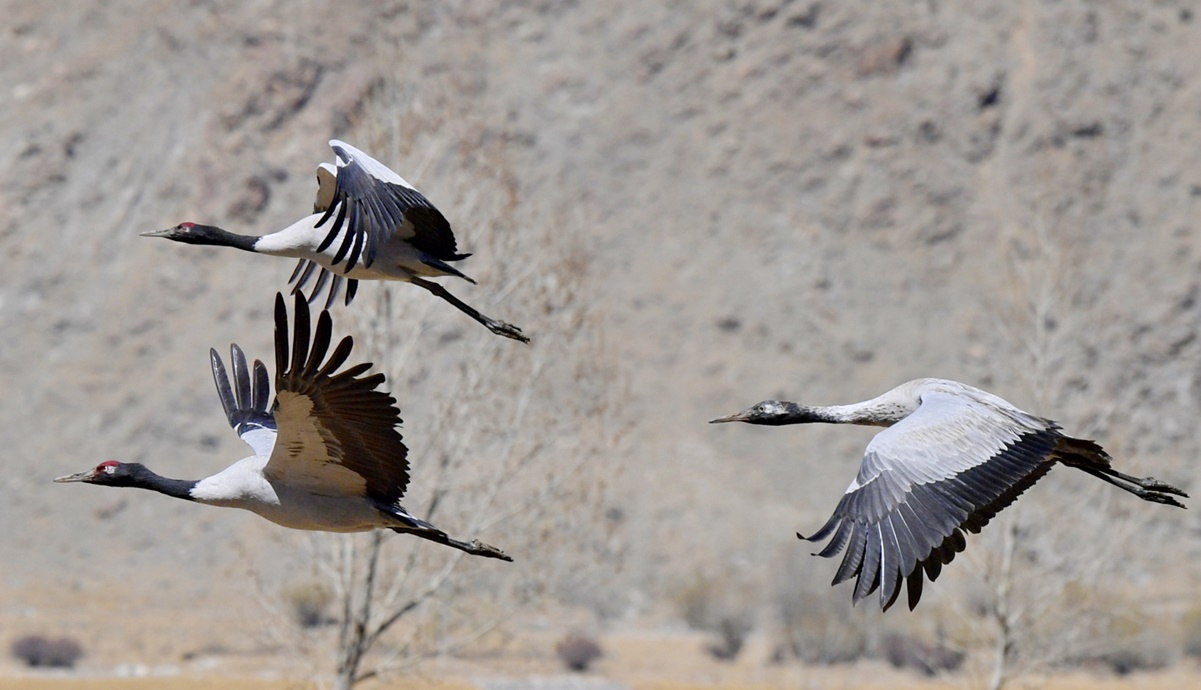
{"x":1089,"y":457}
{"x":1148,"y":488}
{"x":420,"y":528}
{"x":508,"y":330}
{"x":475,"y":547}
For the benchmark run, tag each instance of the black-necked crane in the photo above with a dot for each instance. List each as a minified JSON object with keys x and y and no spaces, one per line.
{"x":952,"y":456}
{"x":382,"y":229}
{"x":327,"y":455}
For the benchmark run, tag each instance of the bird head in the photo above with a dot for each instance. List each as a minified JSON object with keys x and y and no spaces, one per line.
{"x":109,"y":473}
{"x":769,"y":412}
{"x":190,"y":233}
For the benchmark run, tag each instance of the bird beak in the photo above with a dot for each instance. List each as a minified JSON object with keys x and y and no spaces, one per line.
{"x":80,"y":477}
{"x":157,"y":233}
{"x":736,"y":417}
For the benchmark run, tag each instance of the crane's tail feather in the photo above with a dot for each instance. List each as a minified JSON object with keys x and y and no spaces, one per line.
{"x":1089,"y":457}
{"x":446,"y":268}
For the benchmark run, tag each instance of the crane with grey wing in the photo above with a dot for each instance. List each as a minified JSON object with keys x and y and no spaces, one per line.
{"x":950,"y":458}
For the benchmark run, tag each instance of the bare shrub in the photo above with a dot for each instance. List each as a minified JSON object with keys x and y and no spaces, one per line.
{"x":716,"y":606}
{"x":732,"y":630}
{"x":695,"y":603}
{"x":1191,"y":632}
{"x":822,"y":638}
{"x":577,"y":652}
{"x":903,"y":651}
{"x":812,"y":626}
{"x":1128,"y":643}
{"x":309,"y":602}
{"x":1138,"y":657}
{"x":43,"y":652}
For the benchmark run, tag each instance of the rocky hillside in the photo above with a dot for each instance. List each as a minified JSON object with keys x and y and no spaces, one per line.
{"x":807,"y":199}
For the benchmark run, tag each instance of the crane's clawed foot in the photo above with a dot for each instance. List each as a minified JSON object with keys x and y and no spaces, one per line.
{"x":508,"y":330}
{"x":1151,"y":489}
{"x":479,"y":548}
{"x":1154,"y":484}
{"x":1156,"y":497}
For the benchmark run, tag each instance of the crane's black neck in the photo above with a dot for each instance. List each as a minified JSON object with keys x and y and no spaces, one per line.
{"x":212,"y":235}
{"x":780,"y":413}
{"x":138,"y":476}
{"x":792,"y":413}
{"x":866,"y":414}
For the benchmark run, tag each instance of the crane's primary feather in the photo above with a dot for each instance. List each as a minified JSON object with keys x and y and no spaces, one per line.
{"x":337,"y":433}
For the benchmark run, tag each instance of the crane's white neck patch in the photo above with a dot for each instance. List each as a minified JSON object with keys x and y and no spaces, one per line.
{"x":240,"y":485}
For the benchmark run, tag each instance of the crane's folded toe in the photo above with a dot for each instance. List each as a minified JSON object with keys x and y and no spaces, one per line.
{"x":479,"y":548}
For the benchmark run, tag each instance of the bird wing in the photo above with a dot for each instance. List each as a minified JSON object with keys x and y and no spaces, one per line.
{"x":246,"y":405}
{"x":337,"y":434}
{"x":950,"y":466}
{"x":378,"y":206}
{"x":305,"y":268}
{"x":327,"y":185}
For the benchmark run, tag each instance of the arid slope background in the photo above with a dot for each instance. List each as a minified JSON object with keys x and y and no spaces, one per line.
{"x":690,"y":206}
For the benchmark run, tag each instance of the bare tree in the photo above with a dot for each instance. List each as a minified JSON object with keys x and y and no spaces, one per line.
{"x":510,"y":442}
{"x":1045,"y":598}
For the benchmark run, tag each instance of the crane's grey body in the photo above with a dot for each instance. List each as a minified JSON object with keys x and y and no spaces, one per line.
{"x":951,"y":457}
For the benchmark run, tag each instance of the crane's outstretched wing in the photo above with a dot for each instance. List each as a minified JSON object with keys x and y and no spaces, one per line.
{"x":337,"y":433}
{"x":948,"y":467}
{"x":246,"y":405}
{"x":378,"y":206}
{"x":305,"y":269}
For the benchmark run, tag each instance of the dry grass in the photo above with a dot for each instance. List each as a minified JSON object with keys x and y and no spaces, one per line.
{"x":666,"y":661}
{"x":204,"y":683}
{"x":211,"y":683}
{"x":1076,"y":681}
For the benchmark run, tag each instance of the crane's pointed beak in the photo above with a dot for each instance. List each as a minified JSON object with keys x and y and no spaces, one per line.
{"x":736,"y":417}
{"x":79,"y":477}
{"x":157,"y":233}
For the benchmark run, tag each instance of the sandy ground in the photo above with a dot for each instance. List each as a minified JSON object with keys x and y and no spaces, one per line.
{"x":810,"y":679}
{"x":638,"y":661}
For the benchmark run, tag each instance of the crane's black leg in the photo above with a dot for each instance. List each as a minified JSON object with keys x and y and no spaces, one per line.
{"x":420,"y":528}
{"x":475,"y":547}
{"x":508,"y":330}
{"x":1148,"y":489}
{"x":1149,"y":483}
